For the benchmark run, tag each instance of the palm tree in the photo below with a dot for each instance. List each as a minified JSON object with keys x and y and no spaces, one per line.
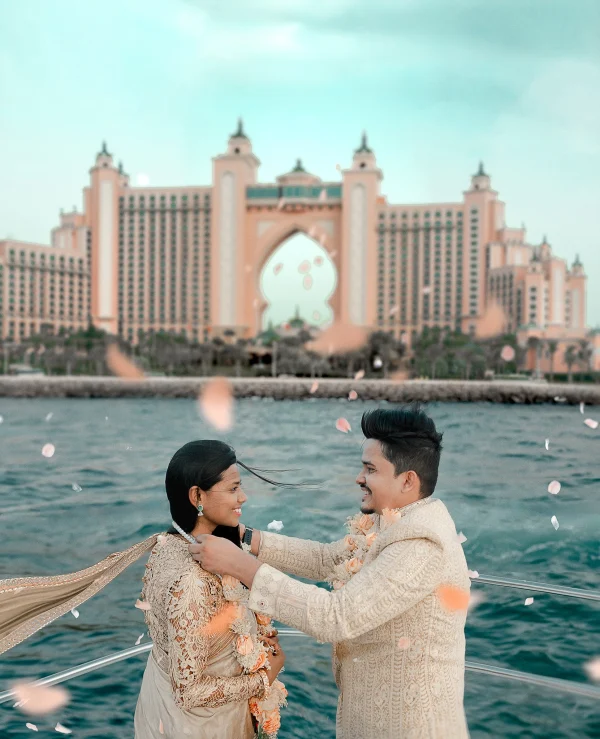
{"x":551,"y":349}
{"x":584,"y":355}
{"x":570,"y":358}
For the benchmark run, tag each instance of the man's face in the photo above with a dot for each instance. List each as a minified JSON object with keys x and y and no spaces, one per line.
{"x":377,"y":479}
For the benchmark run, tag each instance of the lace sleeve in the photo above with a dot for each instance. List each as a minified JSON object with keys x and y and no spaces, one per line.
{"x":190,"y":607}
{"x":301,"y":557}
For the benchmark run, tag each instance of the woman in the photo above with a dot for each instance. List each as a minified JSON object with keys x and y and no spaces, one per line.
{"x":213,"y":667}
{"x":193,"y":684}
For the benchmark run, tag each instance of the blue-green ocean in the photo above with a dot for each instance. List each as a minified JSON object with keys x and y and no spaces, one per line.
{"x":494,"y":476}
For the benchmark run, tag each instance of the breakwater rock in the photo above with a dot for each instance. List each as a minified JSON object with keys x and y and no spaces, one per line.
{"x":494,"y":391}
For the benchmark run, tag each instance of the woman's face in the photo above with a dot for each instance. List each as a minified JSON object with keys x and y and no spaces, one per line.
{"x":223,"y":502}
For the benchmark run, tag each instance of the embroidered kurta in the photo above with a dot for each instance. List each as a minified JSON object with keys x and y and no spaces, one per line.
{"x":193,"y":684}
{"x":387,"y":691}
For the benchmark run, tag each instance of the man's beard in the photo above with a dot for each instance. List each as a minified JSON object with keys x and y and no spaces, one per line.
{"x":364,"y":506}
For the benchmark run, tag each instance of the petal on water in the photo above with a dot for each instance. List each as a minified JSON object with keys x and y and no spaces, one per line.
{"x":554,"y":522}
{"x":547,"y":444}
{"x":342,"y":425}
{"x":48,"y":450}
{"x":216,"y":403}
{"x":75,"y":612}
{"x":554,"y":487}
{"x":62,"y":729}
{"x":38,"y":700}
{"x":581,"y":407}
{"x":592,"y":669}
{"x":139,"y":639}
{"x":591,"y":423}
{"x":528,"y":601}
{"x":33,"y":727}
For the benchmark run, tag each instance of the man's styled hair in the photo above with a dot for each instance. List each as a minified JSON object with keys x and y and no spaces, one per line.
{"x":409,"y":441}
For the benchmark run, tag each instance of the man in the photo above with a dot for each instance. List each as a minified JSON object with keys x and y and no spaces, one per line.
{"x":399,"y":644}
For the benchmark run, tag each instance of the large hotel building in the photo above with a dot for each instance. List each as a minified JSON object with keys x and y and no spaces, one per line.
{"x":189,"y":259}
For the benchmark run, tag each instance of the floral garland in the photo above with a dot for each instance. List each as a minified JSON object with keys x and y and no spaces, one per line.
{"x":361,"y":537}
{"x":252,"y":656}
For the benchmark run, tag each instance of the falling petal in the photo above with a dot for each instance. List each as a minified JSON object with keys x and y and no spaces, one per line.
{"x":216,"y":403}
{"x":121,"y":365}
{"x":554,"y":522}
{"x":581,"y":407}
{"x":592,"y":669}
{"x":316,"y":315}
{"x":38,"y":700}
{"x":275,"y":525}
{"x":143,"y":605}
{"x":1,"y":419}
{"x":280,"y":204}
{"x":339,"y":337}
{"x":307,"y":282}
{"x":62,"y":729}
{"x":332,"y":254}
{"x":322,"y":239}
{"x":461,"y":538}
{"x":554,"y":487}
{"x":323,"y":195}
{"x":161,"y":728}
{"x":559,"y":399}
{"x":475,"y":599}
{"x":314,"y":387}
{"x":75,"y":612}
{"x":377,"y":363}
{"x":403,"y":642}
{"x":528,"y":601}
{"x":304,"y":266}
{"x":48,"y":450}
{"x":77,"y":488}
{"x":393,"y":309}
{"x":359,"y":375}
{"x":453,"y":598}
{"x":352,"y":395}
{"x":277,"y":268}
{"x":33,"y":727}
{"x":49,"y":416}
{"x":426,"y":289}
{"x":547,"y":444}
{"x":139,"y":639}
{"x":338,"y":167}
{"x":473,"y":574}
{"x":318,"y":261}
{"x":507,"y":353}
{"x":342,"y":425}
{"x":591,"y":423}
{"x":312,"y":232}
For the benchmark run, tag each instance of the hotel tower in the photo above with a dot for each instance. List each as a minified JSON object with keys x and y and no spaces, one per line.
{"x":189,"y":259}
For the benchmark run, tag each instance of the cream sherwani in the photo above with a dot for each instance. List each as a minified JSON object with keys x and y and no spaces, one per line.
{"x":385,"y":692}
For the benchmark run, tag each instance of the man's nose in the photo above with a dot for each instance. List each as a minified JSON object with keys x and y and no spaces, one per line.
{"x":360,"y":480}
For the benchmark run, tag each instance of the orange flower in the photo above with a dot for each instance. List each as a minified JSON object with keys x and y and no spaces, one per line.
{"x":254,"y":708}
{"x":260,"y":662}
{"x":350,"y":543}
{"x":389,"y":516}
{"x":365,"y":522}
{"x":370,"y":538}
{"x":220,"y":623}
{"x":262,"y":619}
{"x":244,"y":644}
{"x":353,"y":565}
{"x":272,"y":722}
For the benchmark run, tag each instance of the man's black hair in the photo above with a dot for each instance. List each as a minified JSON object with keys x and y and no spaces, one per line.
{"x":409,"y":441}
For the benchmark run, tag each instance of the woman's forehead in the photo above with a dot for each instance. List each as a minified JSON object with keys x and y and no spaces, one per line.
{"x":231,"y":474}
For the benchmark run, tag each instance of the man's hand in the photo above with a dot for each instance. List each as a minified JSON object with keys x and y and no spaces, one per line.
{"x":242,"y":530}
{"x":217,"y":555}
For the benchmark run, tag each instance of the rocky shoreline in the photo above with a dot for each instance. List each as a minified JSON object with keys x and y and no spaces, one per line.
{"x":495,"y":391}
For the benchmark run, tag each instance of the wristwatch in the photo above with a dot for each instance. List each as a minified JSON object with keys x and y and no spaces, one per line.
{"x":247,"y":538}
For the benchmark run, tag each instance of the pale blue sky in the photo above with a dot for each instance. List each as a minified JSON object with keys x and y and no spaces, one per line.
{"x":438,"y":84}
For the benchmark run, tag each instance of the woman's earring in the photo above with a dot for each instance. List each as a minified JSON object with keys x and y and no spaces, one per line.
{"x":200,"y":509}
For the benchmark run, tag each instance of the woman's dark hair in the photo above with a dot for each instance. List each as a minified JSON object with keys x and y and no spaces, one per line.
{"x":409,"y":441}
{"x":202,"y":463}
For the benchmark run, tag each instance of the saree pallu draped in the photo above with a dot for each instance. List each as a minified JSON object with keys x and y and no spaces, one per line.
{"x":27,"y":604}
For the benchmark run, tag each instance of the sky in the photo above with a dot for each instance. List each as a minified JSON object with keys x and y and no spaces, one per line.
{"x":438,"y":85}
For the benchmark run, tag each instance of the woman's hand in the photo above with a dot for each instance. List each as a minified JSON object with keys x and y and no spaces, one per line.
{"x":277,"y":662}
{"x":217,"y":555}
{"x":242,"y":530}
{"x":271,"y":642}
